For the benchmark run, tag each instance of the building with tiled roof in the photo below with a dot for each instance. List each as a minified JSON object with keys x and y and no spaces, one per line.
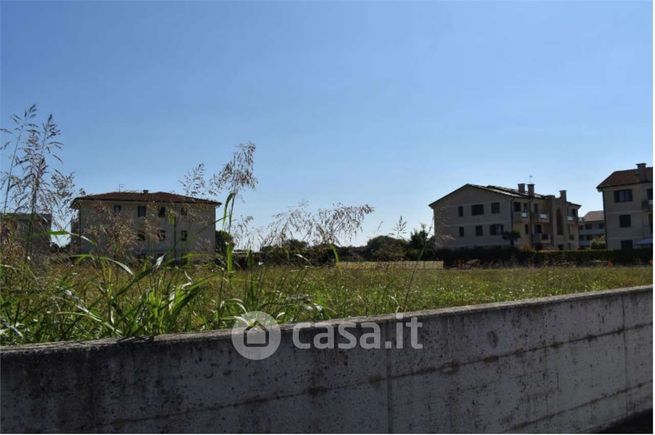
{"x":591,"y":226}
{"x":642,"y":174}
{"x":145,"y":196}
{"x":140,"y":224}
{"x":476,"y":216}
{"x":628,"y":207}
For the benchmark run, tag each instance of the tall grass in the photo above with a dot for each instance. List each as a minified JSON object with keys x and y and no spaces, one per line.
{"x":97,"y":297}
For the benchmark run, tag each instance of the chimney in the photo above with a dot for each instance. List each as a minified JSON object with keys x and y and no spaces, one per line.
{"x":521,"y":187}
{"x":641,"y":171}
{"x":562,"y":195}
{"x":145,"y":190}
{"x":531,"y":189}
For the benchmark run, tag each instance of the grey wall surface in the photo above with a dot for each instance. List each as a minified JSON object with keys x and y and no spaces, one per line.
{"x":570,"y":363}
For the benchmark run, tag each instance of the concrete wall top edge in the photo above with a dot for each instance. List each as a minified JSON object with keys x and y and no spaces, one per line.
{"x":187,"y":337}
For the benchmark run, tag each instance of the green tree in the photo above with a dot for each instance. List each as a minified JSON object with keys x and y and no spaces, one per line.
{"x":421,"y":245}
{"x":512,"y":236}
{"x":386,"y":248}
{"x":598,"y":243}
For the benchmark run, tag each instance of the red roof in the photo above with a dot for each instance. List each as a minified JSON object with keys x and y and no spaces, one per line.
{"x":629,"y":176}
{"x":594,"y":216}
{"x":502,"y":191}
{"x":145,"y":197}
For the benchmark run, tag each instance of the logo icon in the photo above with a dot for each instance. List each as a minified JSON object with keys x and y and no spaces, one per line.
{"x":255,"y":335}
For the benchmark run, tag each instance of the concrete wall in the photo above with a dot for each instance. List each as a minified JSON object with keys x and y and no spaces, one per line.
{"x":571,"y":363}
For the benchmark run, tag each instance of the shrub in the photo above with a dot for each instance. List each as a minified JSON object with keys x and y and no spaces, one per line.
{"x":506,"y":256}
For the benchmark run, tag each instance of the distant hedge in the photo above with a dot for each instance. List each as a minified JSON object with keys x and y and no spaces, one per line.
{"x":486,"y":257}
{"x":507,"y":256}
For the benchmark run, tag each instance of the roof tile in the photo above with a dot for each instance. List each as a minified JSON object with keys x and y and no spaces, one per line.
{"x":145,"y":197}
{"x":629,"y":176}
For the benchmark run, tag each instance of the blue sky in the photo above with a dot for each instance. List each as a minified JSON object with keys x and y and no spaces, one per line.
{"x":390,"y":104}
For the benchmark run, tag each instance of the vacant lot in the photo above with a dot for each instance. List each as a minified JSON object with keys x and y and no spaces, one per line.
{"x":101,"y":298}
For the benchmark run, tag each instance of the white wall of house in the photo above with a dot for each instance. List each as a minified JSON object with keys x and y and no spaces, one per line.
{"x":184,"y":227}
{"x":447,"y":219}
{"x":590,"y":230}
{"x":458,"y":225}
{"x":640,"y":212}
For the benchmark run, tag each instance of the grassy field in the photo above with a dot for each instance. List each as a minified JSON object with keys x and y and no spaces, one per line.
{"x":101,"y":298}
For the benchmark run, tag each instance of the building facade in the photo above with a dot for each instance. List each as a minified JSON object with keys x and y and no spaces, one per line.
{"x":592,"y":227}
{"x":486,"y":216}
{"x":628,"y":207}
{"x":26,"y":231}
{"x":144,"y":224}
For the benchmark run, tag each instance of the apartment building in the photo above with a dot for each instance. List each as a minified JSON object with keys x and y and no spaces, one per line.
{"x":144,"y":224}
{"x":477,"y":216}
{"x":26,"y":231}
{"x":592,"y":226}
{"x":628,"y":207}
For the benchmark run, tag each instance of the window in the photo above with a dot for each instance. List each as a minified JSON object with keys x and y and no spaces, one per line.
{"x":478,"y":230}
{"x":558,"y":222}
{"x":461,"y":231}
{"x":183,"y":235}
{"x":141,"y":211}
{"x":601,"y":226}
{"x":625,"y":221}
{"x":587,"y":226}
{"x":537,"y":229}
{"x":517,"y":206}
{"x":496,"y":229}
{"x":141,"y":236}
{"x":183,"y":211}
{"x":649,"y":193}
{"x":460,"y":211}
{"x":626,"y":244}
{"x":117,"y":209}
{"x":624,"y":195}
{"x":162,"y":212}
{"x":495,"y":207}
{"x":650,"y":222}
{"x":527,"y":229}
{"x":161,"y":235}
{"x":536,"y":208}
{"x":571,"y":237}
{"x":477,"y":209}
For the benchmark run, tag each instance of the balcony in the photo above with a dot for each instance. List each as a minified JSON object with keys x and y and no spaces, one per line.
{"x":572,"y":219}
{"x":520,"y":216}
{"x":646,"y":204}
{"x":543,"y":217}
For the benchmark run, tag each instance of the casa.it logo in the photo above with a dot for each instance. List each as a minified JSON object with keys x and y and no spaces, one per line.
{"x":256,"y":335}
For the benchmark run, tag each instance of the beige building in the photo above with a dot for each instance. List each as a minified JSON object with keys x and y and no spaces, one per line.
{"x":476,"y":216}
{"x":144,"y":224}
{"x":592,"y":226}
{"x":628,"y":206}
{"x":24,"y":231}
